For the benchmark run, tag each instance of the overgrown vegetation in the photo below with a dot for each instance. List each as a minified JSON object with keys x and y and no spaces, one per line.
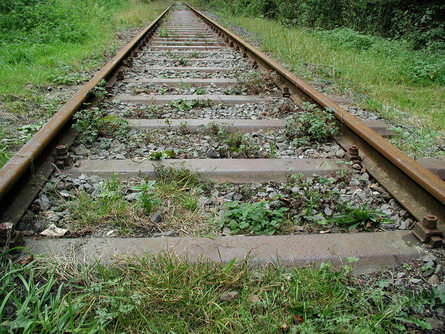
{"x":161,"y":292}
{"x":312,"y":124}
{"x":47,"y":43}
{"x":420,"y":23}
{"x":95,"y":122}
{"x":392,"y":74}
{"x":42,"y":40}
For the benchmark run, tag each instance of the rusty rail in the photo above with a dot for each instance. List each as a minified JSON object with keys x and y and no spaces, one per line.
{"x":23,"y":159}
{"x":429,"y":182}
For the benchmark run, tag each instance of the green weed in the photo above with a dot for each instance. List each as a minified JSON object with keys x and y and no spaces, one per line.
{"x":161,"y":155}
{"x":200,"y":91}
{"x":359,"y":217}
{"x":233,"y":145}
{"x":256,"y":218}
{"x":183,"y":62}
{"x":163,"y":33}
{"x":147,"y":195}
{"x":309,"y":200}
{"x":310,"y":125}
{"x":186,"y":105}
{"x":251,"y":83}
{"x":95,"y":122}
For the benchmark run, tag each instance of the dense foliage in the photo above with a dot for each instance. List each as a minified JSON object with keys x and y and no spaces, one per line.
{"x":41,"y":21}
{"x":420,"y":22}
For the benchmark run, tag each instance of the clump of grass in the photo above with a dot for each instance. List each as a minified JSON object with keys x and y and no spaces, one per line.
{"x":312,"y":124}
{"x":174,"y":193}
{"x":181,"y":185}
{"x":109,"y":208}
{"x":359,"y":217}
{"x":35,"y":301}
{"x":181,"y":176}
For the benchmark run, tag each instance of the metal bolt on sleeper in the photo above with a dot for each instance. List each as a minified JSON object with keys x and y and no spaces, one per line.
{"x":354,"y":154}
{"x":63,"y":158}
{"x":286,"y":92}
{"x":427,"y":232}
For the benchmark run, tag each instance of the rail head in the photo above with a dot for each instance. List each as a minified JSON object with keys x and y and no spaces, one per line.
{"x":423,"y":177}
{"x":22,"y":161}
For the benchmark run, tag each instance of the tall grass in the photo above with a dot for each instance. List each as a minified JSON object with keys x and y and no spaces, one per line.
{"x":390,"y":72}
{"x":47,"y":41}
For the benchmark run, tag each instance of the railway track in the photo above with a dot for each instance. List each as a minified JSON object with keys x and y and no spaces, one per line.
{"x":188,"y":101}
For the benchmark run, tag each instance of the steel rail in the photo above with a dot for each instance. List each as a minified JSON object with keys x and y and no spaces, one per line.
{"x":423,"y":177}
{"x":23,"y":159}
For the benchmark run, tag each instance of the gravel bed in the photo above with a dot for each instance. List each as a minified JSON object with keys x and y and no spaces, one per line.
{"x":148,"y":73}
{"x":276,"y":108}
{"x":219,"y":54}
{"x":310,"y":202}
{"x":142,"y":144}
{"x":138,"y":88}
{"x":364,"y":114}
{"x":238,"y":62}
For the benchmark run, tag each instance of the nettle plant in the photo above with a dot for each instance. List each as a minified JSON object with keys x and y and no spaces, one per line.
{"x":256,"y":218}
{"x":311,"y":124}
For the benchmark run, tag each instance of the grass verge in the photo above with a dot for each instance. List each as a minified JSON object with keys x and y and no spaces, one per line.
{"x":53,"y":46}
{"x":166,"y":294}
{"x":385,"y":76}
